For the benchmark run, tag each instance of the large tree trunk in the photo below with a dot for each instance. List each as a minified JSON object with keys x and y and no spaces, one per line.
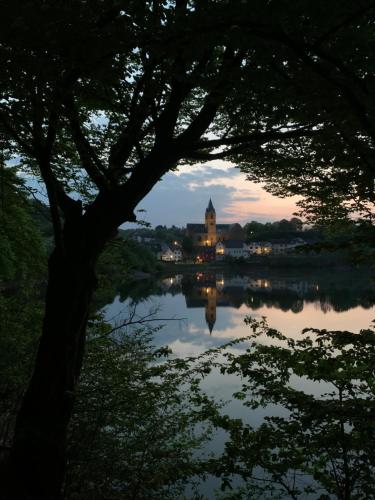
{"x":36,"y":465}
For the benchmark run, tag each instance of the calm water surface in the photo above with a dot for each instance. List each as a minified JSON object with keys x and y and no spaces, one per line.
{"x":203,"y":310}
{"x":208,"y":309}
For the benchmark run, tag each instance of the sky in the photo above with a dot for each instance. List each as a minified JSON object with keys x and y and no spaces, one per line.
{"x":182,"y":197}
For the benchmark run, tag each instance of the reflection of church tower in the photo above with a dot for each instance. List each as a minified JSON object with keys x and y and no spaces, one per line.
{"x":210,"y":222}
{"x":211,"y":307}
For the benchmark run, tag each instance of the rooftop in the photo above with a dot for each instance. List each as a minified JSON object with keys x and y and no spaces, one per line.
{"x":233,"y":243}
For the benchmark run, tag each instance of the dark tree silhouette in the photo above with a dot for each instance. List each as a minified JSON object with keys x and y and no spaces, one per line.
{"x":104,"y":98}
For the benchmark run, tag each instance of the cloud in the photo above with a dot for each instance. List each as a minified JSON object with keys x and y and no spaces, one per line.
{"x":247,"y":198}
{"x":182,"y":197}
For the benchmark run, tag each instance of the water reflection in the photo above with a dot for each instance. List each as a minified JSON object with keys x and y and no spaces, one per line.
{"x":305,"y":410}
{"x":213,"y":305}
{"x":210,"y":291}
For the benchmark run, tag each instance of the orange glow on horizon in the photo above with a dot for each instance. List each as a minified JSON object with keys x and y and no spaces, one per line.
{"x":249,"y":201}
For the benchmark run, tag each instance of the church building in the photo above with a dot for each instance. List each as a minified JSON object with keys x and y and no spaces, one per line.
{"x":210,"y":233}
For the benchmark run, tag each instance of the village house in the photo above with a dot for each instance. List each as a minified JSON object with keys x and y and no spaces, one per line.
{"x":260,"y":247}
{"x":168,"y":254}
{"x":286,"y":246}
{"x":277,"y":247}
{"x":234,"y":249}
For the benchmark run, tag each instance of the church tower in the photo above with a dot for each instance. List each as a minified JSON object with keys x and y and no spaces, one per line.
{"x":210,"y":309}
{"x":210,"y":223}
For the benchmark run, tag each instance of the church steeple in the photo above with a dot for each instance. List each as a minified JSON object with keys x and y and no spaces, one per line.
{"x":210,"y":223}
{"x":210,"y":207}
{"x":210,"y":309}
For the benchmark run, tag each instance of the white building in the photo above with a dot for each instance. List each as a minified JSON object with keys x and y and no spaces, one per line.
{"x":231,"y":248}
{"x":260,"y":247}
{"x":166,"y":254}
{"x":286,"y":246}
{"x":277,"y":247}
{"x":170,"y":255}
{"x":177,"y":254}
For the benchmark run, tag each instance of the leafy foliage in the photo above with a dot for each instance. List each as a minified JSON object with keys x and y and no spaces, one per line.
{"x":162,"y":233}
{"x":318,"y":442}
{"x":135,"y":431}
{"x":21,"y":249}
{"x":273,"y":231}
{"x":22,"y":278}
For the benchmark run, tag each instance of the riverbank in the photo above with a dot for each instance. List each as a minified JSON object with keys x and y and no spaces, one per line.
{"x":310,"y":262}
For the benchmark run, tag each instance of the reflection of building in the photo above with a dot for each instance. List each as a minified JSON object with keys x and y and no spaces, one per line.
{"x":210,"y":307}
{"x":171,"y":281}
{"x":209,"y":291}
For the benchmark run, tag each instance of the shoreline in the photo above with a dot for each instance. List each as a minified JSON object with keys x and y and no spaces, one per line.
{"x":286,"y":266}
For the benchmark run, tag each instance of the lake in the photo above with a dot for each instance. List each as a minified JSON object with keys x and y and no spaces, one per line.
{"x":204,"y":310}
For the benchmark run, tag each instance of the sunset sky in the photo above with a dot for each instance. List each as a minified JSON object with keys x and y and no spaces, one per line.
{"x":182,"y":197}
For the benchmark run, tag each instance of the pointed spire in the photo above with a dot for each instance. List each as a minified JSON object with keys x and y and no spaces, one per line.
{"x":210,"y":207}
{"x":210,"y":324}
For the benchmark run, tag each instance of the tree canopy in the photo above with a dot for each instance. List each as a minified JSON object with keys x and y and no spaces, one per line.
{"x":108,"y":96}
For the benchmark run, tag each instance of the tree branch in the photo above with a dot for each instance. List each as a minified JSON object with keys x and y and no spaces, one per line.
{"x":90,"y":161}
{"x":138,"y":112}
{"x":256,"y":138}
{"x":303,"y":52}
{"x":15,"y":136}
{"x":202,"y":156}
{"x":213,"y":100}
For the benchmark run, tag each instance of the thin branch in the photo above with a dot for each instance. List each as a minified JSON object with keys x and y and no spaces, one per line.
{"x":140,"y":108}
{"x":141,"y":321}
{"x":255,"y":137}
{"x":302,"y":51}
{"x":213,"y":100}
{"x":90,"y":161}
{"x":50,"y":183}
{"x":15,"y":136}
{"x":202,"y":156}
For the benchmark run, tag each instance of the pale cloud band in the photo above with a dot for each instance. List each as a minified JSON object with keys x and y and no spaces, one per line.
{"x":182,"y":197}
